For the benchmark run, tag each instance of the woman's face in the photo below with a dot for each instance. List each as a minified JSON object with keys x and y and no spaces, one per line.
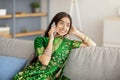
{"x":63,"y":26}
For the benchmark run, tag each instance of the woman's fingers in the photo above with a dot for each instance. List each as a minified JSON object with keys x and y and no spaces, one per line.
{"x":52,"y":31}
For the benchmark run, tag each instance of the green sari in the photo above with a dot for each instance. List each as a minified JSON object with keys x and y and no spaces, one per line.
{"x":61,"y":49}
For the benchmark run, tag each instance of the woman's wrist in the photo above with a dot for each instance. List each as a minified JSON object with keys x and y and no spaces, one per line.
{"x":86,"y":40}
{"x":48,"y":52}
{"x":51,"y":39}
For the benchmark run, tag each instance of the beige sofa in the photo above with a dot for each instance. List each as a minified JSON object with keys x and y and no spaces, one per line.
{"x":90,"y":63}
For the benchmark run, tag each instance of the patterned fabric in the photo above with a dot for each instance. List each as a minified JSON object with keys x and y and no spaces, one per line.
{"x":61,"y":49}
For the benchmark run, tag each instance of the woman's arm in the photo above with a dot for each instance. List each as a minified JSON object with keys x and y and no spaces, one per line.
{"x":86,"y":40}
{"x":46,"y":57}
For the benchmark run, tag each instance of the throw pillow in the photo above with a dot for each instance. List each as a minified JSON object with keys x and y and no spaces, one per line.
{"x":9,"y":66}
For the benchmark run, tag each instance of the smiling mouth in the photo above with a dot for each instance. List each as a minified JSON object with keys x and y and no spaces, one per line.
{"x":63,"y":31}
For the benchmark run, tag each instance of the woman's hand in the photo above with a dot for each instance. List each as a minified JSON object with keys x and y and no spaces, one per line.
{"x":46,"y":57}
{"x":51,"y":32}
{"x":74,"y":30}
{"x":86,"y":40}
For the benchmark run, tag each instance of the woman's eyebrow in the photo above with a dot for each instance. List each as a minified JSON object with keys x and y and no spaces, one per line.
{"x":64,"y":22}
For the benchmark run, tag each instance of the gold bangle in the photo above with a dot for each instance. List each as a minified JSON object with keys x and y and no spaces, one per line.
{"x":48,"y":52}
{"x":86,"y":40}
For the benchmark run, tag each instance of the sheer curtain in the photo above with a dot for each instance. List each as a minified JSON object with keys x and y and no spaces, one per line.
{"x":75,"y":14}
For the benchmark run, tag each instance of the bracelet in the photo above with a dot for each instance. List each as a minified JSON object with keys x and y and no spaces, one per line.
{"x":86,"y":40}
{"x":48,"y":52}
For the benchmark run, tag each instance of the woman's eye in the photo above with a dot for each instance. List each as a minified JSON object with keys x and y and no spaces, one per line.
{"x":68,"y":25}
{"x":61,"y":23}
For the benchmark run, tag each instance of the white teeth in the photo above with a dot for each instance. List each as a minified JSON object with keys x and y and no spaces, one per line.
{"x":63,"y":31}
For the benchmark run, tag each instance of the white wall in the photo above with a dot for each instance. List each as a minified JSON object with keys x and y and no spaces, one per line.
{"x":44,"y":20}
{"x":92,"y":15}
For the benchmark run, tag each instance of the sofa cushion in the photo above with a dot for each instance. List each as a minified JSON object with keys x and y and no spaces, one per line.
{"x":9,"y":66}
{"x":16,"y":47}
{"x":94,"y":63}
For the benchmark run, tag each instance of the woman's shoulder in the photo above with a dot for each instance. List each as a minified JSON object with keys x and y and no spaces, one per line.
{"x":72,"y":40}
{"x":68,"y":39}
{"x":40,"y":38}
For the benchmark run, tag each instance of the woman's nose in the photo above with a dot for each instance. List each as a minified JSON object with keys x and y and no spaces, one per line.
{"x":63,"y":28}
{"x":64,"y":25}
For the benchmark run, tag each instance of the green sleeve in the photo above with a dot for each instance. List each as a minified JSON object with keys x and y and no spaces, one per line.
{"x":39,"y":45}
{"x":76,"y":44}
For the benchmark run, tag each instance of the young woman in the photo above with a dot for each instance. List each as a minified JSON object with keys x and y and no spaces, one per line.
{"x":53,"y":50}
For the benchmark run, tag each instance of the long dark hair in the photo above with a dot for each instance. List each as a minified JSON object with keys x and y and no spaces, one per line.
{"x":56,"y":19}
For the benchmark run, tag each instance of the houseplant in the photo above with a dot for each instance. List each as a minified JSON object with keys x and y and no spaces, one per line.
{"x":35,"y":7}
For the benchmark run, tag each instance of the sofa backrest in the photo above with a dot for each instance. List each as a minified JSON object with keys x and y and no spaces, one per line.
{"x":94,"y":63}
{"x":15,"y":54}
{"x":16,"y":48}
